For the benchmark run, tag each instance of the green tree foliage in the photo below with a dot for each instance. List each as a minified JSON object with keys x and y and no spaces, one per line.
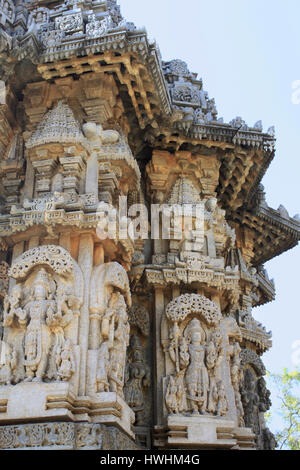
{"x":288,"y":391}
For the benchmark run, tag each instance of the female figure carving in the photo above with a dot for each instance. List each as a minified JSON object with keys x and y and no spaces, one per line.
{"x":197,"y":379}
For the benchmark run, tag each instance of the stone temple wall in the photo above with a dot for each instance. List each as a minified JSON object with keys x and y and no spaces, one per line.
{"x":127,"y":328}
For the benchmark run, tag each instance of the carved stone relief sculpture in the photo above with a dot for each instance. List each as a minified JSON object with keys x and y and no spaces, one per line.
{"x":196,"y":350}
{"x":109,"y":298}
{"x":45,"y":301}
{"x":138,"y":367}
{"x":97,"y":132}
{"x":255,"y":399}
{"x":250,"y":400}
{"x":4,"y":267}
{"x":236,"y":378}
{"x":137,"y":380}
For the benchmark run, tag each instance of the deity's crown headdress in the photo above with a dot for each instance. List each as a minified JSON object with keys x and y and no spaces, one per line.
{"x":42,"y":279}
{"x":194,"y":327}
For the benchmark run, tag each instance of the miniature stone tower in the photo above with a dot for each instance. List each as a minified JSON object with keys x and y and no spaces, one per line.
{"x":126,"y":341}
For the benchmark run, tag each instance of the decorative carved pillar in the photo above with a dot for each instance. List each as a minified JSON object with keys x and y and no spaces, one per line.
{"x":12,"y":182}
{"x":29,"y":180}
{"x":91,"y":184}
{"x":44,"y":173}
{"x":17,"y":251}
{"x":158,"y":356}
{"x":94,"y":338}
{"x":108,"y":182}
{"x":85,"y":261}
{"x":72,"y":169}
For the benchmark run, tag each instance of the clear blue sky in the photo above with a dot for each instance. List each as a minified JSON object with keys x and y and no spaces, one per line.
{"x":248,"y":54}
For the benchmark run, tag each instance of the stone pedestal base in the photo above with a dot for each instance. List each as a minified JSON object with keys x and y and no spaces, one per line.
{"x":36,"y":401}
{"x":203,"y":432}
{"x":64,"y":436}
{"x":29,"y":402}
{"x":109,"y":408}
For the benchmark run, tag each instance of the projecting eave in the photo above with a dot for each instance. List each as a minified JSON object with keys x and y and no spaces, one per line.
{"x":274,"y":232}
{"x":167,"y":98}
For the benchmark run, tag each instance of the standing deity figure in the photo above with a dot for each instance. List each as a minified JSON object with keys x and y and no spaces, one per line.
{"x":236,"y":379}
{"x":197,"y":378}
{"x":137,"y":379}
{"x":176,"y":398}
{"x":8,"y":362}
{"x":211,"y":363}
{"x":37,"y":341}
{"x":178,"y":349}
{"x":214,"y":357}
{"x":171,"y":396}
{"x":250,"y":400}
{"x":222,"y":407}
{"x":65,"y":362}
{"x":107,"y":332}
{"x":102,"y":384}
{"x":109,"y":298}
{"x":115,"y":332}
{"x":66,"y":306}
{"x":119,"y":346}
{"x":12,"y":306}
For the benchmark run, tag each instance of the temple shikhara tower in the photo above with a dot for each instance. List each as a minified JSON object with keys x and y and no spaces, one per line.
{"x":127,"y":342}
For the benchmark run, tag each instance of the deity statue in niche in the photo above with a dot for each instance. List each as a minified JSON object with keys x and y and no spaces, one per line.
{"x":236,"y":378}
{"x":65,"y":362}
{"x":211,"y":360}
{"x":115,"y":332}
{"x":176,"y":397}
{"x":179,"y":352}
{"x":197,"y":379}
{"x":8,"y":362}
{"x":214,"y":357}
{"x":12,"y":306}
{"x":250,"y":401}
{"x":172,"y":396}
{"x":137,"y":380}
{"x":102,"y":384}
{"x":119,"y":346}
{"x":196,"y":348}
{"x":36,"y":313}
{"x":222,"y":404}
{"x":34,"y":316}
{"x":109,"y":289}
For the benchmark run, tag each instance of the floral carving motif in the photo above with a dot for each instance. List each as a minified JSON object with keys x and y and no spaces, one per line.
{"x":177,"y":67}
{"x":188,"y":304}
{"x":51,"y":38}
{"x":53,"y":256}
{"x":58,"y":125}
{"x":96,"y":28}
{"x":4,"y":268}
{"x":186,"y":92}
{"x":139,"y":317}
{"x":69,"y":23}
